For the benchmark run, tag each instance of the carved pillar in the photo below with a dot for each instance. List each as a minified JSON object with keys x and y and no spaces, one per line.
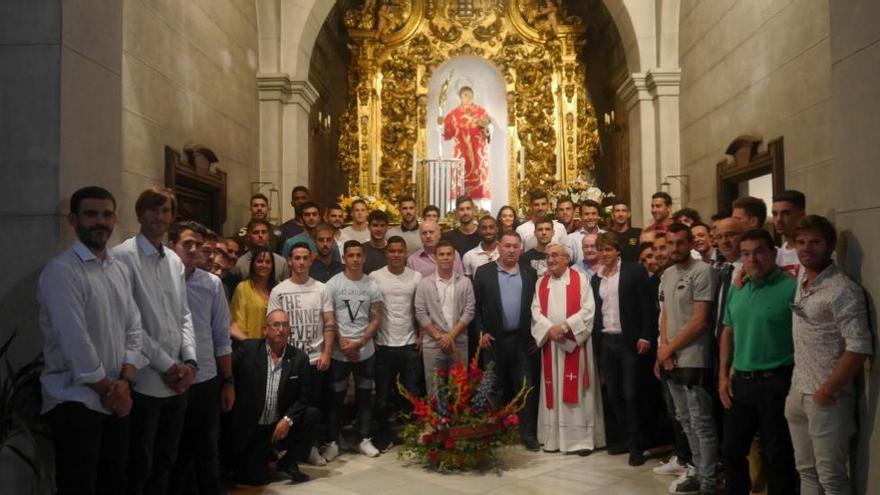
{"x":284,"y":133}
{"x":643,"y":148}
{"x":664,"y":86}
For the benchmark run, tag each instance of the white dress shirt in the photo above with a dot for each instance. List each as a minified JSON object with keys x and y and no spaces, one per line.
{"x":90,"y":323}
{"x":210,"y":315}
{"x":446,"y":292}
{"x":608,"y":291}
{"x":160,"y":292}
{"x":478,"y":257}
{"x":527,"y":232}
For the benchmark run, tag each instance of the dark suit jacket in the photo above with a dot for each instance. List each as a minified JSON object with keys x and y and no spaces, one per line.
{"x":487,"y":296}
{"x":251,"y":371}
{"x":638,"y":316}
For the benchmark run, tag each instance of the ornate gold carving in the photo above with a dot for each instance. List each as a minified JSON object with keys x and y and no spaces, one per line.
{"x":397,"y":45}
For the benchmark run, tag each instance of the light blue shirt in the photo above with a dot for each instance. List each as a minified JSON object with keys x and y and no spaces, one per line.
{"x":210,"y":315}
{"x":510,"y":287}
{"x":160,"y":293}
{"x":90,"y":323}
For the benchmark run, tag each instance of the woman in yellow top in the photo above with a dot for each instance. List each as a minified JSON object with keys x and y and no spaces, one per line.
{"x":251,"y":297}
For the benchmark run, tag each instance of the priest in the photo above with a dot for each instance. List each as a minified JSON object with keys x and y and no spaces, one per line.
{"x":570,"y":412}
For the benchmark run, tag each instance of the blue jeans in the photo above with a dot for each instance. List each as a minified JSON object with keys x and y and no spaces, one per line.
{"x":693,"y":409}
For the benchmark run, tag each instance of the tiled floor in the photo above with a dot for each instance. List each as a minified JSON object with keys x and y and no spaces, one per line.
{"x":523,"y":473}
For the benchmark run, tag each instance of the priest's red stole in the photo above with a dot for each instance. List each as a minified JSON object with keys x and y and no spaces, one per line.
{"x":572,"y":359}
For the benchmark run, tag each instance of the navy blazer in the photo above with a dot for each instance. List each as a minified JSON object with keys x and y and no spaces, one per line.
{"x":638,"y":316}
{"x":488,"y":316}
{"x":251,"y":369}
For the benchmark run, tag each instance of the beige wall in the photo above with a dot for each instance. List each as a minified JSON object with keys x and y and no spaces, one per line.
{"x":808,"y":71}
{"x":188,"y":75}
{"x":756,"y":68}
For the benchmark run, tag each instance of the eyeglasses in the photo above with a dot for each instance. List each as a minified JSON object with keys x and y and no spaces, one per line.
{"x":278,"y":325}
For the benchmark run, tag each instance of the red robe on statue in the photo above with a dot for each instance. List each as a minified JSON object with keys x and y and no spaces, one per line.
{"x":470,"y":144}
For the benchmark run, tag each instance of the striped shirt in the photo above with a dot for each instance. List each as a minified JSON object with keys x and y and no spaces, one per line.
{"x":273,"y":380}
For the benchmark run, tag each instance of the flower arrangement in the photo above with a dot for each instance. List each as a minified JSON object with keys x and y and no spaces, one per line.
{"x":458,"y":429}
{"x":373,"y":203}
{"x":579,"y":190}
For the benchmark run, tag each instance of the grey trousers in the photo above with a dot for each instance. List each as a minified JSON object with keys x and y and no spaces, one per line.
{"x":821,"y":438}
{"x":435,"y":359}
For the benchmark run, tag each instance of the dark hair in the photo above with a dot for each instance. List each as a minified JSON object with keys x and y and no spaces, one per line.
{"x":591,"y":204}
{"x":257,"y":221}
{"x":211,"y":236}
{"x":155,"y":197}
{"x":299,"y":189}
{"x":544,"y":219}
{"x":663,"y":195}
{"x":259,"y":196}
{"x":537,"y":194}
{"x":377,"y":216}
{"x":680,"y":227}
{"x":256,"y":252}
{"x":691,"y":213}
{"x":462,"y":200}
{"x":487,"y":217}
{"x":619,"y":201}
{"x":645,"y":245}
{"x":309,"y":204}
{"x":758,"y":235}
{"x":515,"y":218}
{"x":465,"y":88}
{"x":753,"y":207}
{"x":512,"y":233}
{"x":351,"y":244}
{"x":90,"y":192}
{"x":565,"y":199}
{"x":396,"y":239}
{"x":430,"y":208}
{"x":701,"y":224}
{"x":334,"y":206}
{"x":792,"y":196}
{"x":721,"y":215}
{"x":299,"y":245}
{"x":178,"y":228}
{"x":445,"y":243}
{"x":405,"y":198}
{"x":608,"y":239}
{"x":820,"y":225}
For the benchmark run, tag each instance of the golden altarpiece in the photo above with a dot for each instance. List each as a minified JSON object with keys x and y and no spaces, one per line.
{"x":396,"y":45}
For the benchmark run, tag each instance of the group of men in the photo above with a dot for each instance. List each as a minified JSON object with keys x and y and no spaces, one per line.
{"x":140,"y":359}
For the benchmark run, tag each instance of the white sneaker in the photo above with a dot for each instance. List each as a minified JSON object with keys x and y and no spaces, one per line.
{"x":670,"y":467}
{"x":687,"y":483}
{"x":366,"y":447}
{"x":315,"y":458}
{"x":330,"y":451}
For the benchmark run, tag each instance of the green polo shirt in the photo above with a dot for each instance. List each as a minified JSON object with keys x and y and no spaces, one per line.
{"x":760,"y":314}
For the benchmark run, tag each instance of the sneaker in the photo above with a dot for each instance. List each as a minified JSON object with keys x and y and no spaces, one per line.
{"x":670,"y":467}
{"x":315,"y":458}
{"x":686,"y":484}
{"x":330,"y":451}
{"x":366,"y":447}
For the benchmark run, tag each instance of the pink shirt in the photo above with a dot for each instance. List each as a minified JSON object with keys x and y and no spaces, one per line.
{"x":423,"y":263}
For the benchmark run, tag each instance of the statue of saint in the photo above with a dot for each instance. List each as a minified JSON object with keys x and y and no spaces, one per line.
{"x":468,"y":124}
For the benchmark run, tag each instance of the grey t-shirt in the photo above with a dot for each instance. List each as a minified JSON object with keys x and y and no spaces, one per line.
{"x":351,"y":304}
{"x":680,"y":287}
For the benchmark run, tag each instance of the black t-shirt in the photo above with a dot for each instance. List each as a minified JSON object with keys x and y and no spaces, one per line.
{"x":535,"y":259}
{"x":373,"y":258}
{"x":462,"y":242}
{"x":629,"y":244}
{"x":322,"y":273}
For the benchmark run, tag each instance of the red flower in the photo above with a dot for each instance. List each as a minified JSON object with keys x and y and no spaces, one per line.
{"x":426,"y":439}
{"x":441,"y":372}
{"x":450,"y":443}
{"x":511,"y":420}
{"x":433,"y":455}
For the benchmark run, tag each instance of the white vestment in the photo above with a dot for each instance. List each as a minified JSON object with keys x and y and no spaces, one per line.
{"x":568,"y":427}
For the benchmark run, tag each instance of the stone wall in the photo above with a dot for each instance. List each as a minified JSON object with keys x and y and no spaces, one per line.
{"x":756,"y":68}
{"x":188,"y":75}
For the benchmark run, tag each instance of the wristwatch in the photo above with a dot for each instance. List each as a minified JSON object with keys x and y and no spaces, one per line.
{"x":193,"y":363}
{"x":288,"y":420}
